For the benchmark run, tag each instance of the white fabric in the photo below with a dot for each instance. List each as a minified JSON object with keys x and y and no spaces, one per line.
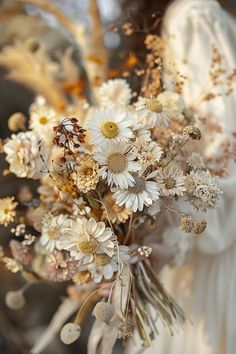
{"x":190,"y":28}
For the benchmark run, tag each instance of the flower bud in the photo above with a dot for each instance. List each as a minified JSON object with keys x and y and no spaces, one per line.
{"x":199,"y":227}
{"x":193,"y":132}
{"x":15,"y":300}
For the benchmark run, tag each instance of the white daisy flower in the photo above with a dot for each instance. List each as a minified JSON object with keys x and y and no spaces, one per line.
{"x":152,"y":111}
{"x":158,"y":110}
{"x":104,"y":266}
{"x":117,"y":161}
{"x":114,"y":92}
{"x":143,"y":192}
{"x":110,"y":124}
{"x":80,"y":207}
{"x":171,"y":102}
{"x":52,"y":230}
{"x":24,"y":154}
{"x":43,"y":119}
{"x":141,"y":126}
{"x":171,"y":181}
{"x":86,"y":237}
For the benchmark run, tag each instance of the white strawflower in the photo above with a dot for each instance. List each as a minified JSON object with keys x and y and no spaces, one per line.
{"x":171,"y":181}
{"x":203,"y":189}
{"x":86,"y":237}
{"x":195,"y":161}
{"x":117,"y":161}
{"x":143,"y":192}
{"x":109,"y":124}
{"x":24,"y":154}
{"x":52,"y":229}
{"x":149,"y":153}
{"x":114,"y":92}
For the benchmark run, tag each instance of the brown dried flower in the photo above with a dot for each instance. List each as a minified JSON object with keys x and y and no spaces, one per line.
{"x":60,"y":266}
{"x":199,"y":227}
{"x":114,"y":212}
{"x":69,"y":135}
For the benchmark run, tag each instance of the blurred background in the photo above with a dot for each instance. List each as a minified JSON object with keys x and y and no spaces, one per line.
{"x":18,"y":21}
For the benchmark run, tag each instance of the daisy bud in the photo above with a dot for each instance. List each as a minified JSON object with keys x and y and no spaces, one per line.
{"x":103,"y":311}
{"x":193,"y":132}
{"x":70,"y":332}
{"x":199,"y":227}
{"x":15,"y":300}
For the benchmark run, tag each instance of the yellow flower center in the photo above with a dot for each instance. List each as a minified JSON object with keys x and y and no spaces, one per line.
{"x":88,"y":171}
{"x":101,"y":259}
{"x":86,"y":245}
{"x":117,"y":163}
{"x":139,"y":185}
{"x":6,"y":211}
{"x":43,"y":120}
{"x":154,"y":105}
{"x":110,"y":129}
{"x":53,"y":233}
{"x":169,"y":183}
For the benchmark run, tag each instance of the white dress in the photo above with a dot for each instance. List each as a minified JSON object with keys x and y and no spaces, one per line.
{"x":206,"y":288}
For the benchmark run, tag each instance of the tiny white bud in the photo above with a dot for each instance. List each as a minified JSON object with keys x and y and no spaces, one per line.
{"x":15,"y":300}
{"x":70,"y":332}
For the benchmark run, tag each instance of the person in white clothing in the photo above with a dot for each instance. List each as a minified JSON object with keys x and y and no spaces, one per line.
{"x":206,"y":285}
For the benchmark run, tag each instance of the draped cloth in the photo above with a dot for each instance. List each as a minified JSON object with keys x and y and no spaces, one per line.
{"x":206,"y":286}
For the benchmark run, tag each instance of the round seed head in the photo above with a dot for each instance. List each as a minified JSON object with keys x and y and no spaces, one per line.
{"x":15,"y":300}
{"x":70,"y":332}
{"x":103,"y":311}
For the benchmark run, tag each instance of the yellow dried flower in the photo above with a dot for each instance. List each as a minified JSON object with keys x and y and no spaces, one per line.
{"x":186,"y":224}
{"x":86,"y":173}
{"x":7,"y":210}
{"x":199,"y":227}
{"x":82,"y":277}
{"x":114,"y":212}
{"x":12,"y":265}
{"x":16,"y":122}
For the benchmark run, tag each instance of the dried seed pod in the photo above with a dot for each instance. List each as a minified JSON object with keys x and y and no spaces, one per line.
{"x":15,"y":300}
{"x":103,"y":311}
{"x":70,"y":332}
{"x":199,"y":227}
{"x":16,"y":122}
{"x":186,"y":224}
{"x":193,"y":132}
